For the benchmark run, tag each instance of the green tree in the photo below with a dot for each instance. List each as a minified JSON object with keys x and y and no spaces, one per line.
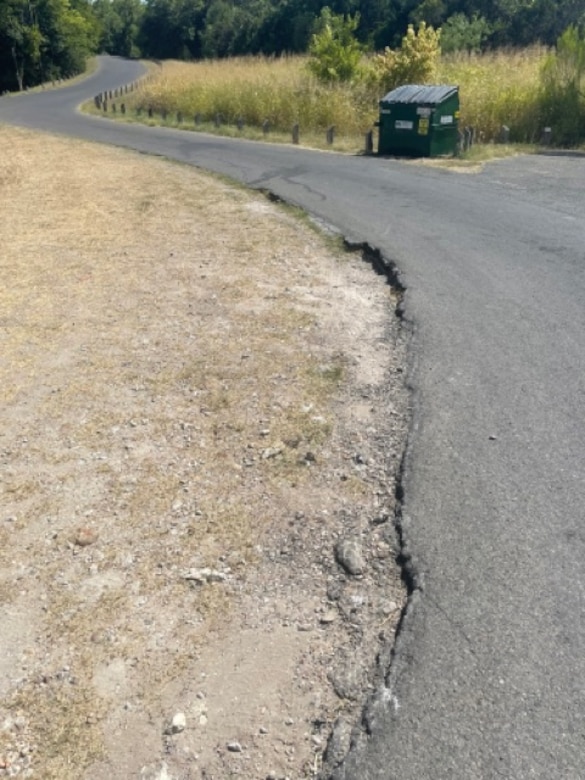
{"x":459,"y":33}
{"x":43,"y":39}
{"x":335,"y":52}
{"x":171,"y":29}
{"x":120,"y":26}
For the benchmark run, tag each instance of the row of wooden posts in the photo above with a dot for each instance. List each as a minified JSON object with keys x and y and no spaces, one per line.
{"x":105,"y":102}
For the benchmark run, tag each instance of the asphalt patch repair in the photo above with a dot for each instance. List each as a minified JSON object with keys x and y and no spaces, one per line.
{"x":203,"y":406}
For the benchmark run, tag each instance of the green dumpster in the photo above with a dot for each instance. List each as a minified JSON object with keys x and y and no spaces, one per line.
{"x":419,"y":121}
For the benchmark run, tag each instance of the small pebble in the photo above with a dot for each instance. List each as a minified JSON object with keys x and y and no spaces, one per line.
{"x":178,"y":723}
{"x":234,"y":747}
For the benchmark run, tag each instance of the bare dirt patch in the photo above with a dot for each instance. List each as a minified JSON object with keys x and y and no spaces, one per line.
{"x":201,"y":396}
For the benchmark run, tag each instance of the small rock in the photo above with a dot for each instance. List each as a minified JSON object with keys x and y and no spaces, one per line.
{"x":83,"y":537}
{"x":272,"y":452}
{"x":178,"y":723}
{"x":202,"y":576}
{"x":263,"y":730}
{"x":234,"y":747}
{"x":329,"y":617}
{"x":348,"y":553}
{"x":288,"y":722}
{"x":338,"y":744}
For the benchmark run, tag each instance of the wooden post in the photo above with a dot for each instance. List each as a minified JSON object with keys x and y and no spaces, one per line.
{"x":113,"y":108}
{"x":330,"y":135}
{"x":369,"y":142}
{"x":266,"y":127}
{"x":123,"y":108}
{"x":217,"y":120}
{"x":150,"y":112}
{"x":105,"y":106}
{"x":197,"y":119}
{"x":163,"y":114}
{"x":240,"y":124}
{"x":179,"y":117}
{"x":295,"y":133}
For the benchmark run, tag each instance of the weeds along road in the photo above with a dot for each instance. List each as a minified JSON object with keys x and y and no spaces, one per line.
{"x":487,"y":678}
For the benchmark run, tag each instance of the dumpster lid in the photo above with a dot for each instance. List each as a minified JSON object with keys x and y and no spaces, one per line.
{"x":430,"y":94}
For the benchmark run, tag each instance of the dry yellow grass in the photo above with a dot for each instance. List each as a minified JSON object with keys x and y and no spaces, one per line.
{"x":255,"y":89}
{"x":175,"y":352}
{"x":496,"y":88}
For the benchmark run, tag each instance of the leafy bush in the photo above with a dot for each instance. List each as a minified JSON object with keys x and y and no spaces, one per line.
{"x":414,"y":63}
{"x":561,"y":98}
{"x":335,"y":54}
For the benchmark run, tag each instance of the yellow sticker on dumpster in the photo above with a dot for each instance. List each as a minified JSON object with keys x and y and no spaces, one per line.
{"x":423,"y":126}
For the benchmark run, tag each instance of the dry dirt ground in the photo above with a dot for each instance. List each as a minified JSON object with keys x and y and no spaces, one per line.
{"x":203,"y":413}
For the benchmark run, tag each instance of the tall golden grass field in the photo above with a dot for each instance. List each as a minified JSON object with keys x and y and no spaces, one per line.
{"x":497,"y":88}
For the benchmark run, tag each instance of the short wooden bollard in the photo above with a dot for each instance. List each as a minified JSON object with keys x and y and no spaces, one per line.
{"x":150,"y":112}
{"x":123,"y":108}
{"x":369,"y":142}
{"x":295,"y":134}
{"x":330,"y":135}
{"x":163,"y":114}
{"x":197,"y":119}
{"x":113,"y":108}
{"x":217,"y":120}
{"x":105,"y":106}
{"x":240,"y":124}
{"x":110,"y":95}
{"x":97,"y":100}
{"x":266,"y":127}
{"x":179,"y":118}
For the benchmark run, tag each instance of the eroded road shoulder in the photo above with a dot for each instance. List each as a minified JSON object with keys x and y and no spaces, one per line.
{"x":203,"y":417}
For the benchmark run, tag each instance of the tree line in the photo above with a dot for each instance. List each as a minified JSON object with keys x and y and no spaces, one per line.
{"x":42,"y":40}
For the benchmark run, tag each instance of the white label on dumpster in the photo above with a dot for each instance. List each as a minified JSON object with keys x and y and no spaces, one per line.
{"x":447,"y":120}
{"x":403,"y":124}
{"x":422,"y":111}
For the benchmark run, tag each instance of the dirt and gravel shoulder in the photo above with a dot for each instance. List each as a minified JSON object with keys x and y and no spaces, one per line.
{"x":203,"y":415}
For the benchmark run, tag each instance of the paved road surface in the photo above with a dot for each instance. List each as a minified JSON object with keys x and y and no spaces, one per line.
{"x":488,"y":679}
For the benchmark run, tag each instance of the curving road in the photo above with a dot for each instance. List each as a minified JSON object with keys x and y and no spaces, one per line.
{"x":488,"y":677}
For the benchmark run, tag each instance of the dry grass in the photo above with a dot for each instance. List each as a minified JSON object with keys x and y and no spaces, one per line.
{"x":255,"y":89}
{"x":497,"y":88}
{"x":166,"y":372}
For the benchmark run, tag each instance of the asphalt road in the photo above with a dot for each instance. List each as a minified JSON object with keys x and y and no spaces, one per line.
{"x":488,"y":678}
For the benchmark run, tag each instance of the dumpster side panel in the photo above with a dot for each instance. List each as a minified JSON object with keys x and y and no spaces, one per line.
{"x":419,"y":121}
